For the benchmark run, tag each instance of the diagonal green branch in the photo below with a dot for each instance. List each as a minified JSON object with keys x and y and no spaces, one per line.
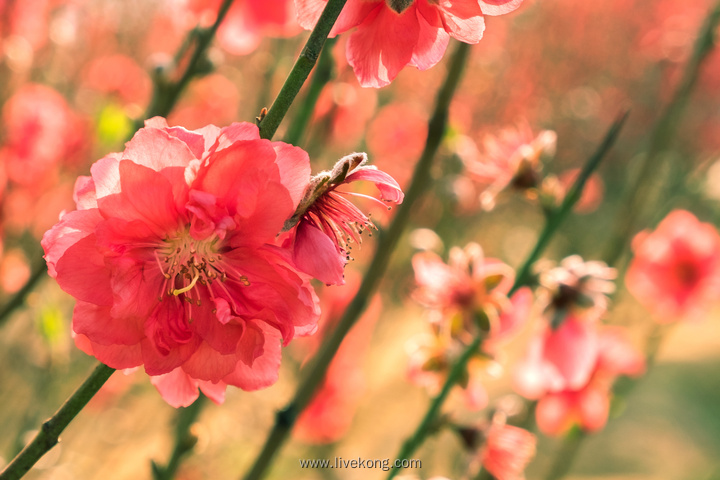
{"x":315,"y":372}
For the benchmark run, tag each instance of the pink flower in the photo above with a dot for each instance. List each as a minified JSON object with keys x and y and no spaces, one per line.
{"x":393,"y":33}
{"x":511,"y":158}
{"x":507,"y":451}
{"x":676,"y":269}
{"x":171,"y":257}
{"x":327,"y":221}
{"x":467,"y":297}
{"x":558,"y":359}
{"x":41,"y":131}
{"x":587,"y":403}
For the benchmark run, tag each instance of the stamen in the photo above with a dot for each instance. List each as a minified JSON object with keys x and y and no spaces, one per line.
{"x":178,"y":291}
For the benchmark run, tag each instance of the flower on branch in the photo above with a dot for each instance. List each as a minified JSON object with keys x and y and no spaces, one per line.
{"x":326,"y":222}
{"x":391,"y":34}
{"x":172,"y":257}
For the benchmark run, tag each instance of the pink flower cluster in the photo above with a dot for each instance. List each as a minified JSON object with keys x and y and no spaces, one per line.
{"x":390,"y":34}
{"x":466,"y":297}
{"x":173,"y":257}
{"x":572,"y":360}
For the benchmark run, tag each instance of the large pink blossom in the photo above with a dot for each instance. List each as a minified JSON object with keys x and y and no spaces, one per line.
{"x":171,"y":256}
{"x":393,"y":33}
{"x":676,"y":269}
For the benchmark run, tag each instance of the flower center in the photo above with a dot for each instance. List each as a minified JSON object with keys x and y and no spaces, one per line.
{"x":399,"y":6}
{"x":186,"y":262}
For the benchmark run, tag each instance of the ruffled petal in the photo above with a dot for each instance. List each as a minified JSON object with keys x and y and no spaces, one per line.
{"x":382,"y":45}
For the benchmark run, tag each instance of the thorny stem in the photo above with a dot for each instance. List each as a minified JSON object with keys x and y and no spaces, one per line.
{"x":301,"y":70}
{"x":50,"y":431}
{"x":639,"y":191}
{"x":315,"y":372}
{"x":184,"y":440}
{"x":551,"y":227}
{"x":323,"y":74}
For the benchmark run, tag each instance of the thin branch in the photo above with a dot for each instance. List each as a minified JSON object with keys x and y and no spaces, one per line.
{"x":315,"y":372}
{"x":50,"y":431}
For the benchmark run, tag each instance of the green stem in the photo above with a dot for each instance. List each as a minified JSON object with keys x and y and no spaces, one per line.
{"x":554,"y":220}
{"x":566,"y":455}
{"x":167,"y":94}
{"x":18,"y":299}
{"x":301,"y":70}
{"x":640,"y":191}
{"x":322,"y":75}
{"x":184,"y":440}
{"x":427,"y":423}
{"x":50,"y":431}
{"x":315,"y":372}
{"x":551,"y":227}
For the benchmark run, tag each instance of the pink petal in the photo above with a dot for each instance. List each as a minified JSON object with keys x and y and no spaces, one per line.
{"x":573,"y":349}
{"x":96,"y":324}
{"x":264,"y":369}
{"x":554,"y":413}
{"x":594,"y":408}
{"x":432,"y":39}
{"x":463,"y":20}
{"x":234,"y":133}
{"x":215,"y":391}
{"x":157,"y":149}
{"x":239,"y":34}
{"x":316,"y":254}
{"x":84,"y":193}
{"x":81,"y":272}
{"x":353,"y":13}
{"x":73,"y":227}
{"x":114,"y":356}
{"x":146,"y":196}
{"x":209,"y":364}
{"x":106,"y":175}
{"x":176,"y":387}
{"x":499,"y":7}
{"x":389,"y":189}
{"x":382,"y":45}
{"x":294,"y":165}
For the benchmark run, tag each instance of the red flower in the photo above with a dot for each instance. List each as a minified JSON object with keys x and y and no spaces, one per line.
{"x":171,"y":258}
{"x":327,"y":221}
{"x":676,"y":269}
{"x":393,"y":33}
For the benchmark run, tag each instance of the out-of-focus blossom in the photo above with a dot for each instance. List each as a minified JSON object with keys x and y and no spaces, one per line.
{"x":119,"y":75}
{"x":558,"y":359}
{"x":14,"y":270}
{"x":507,"y":451}
{"x":396,"y":138}
{"x":41,"y":131}
{"x":213,"y":98}
{"x":171,"y":256}
{"x":588,"y":406}
{"x":512,"y":158}
{"x":248,"y":21}
{"x":554,"y":189}
{"x":391,"y":34}
{"x":675,"y":272}
{"x":577,"y":286}
{"x":327,"y":222}
{"x":329,"y":415}
{"x":468,"y":297}
{"x":342,"y":113}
